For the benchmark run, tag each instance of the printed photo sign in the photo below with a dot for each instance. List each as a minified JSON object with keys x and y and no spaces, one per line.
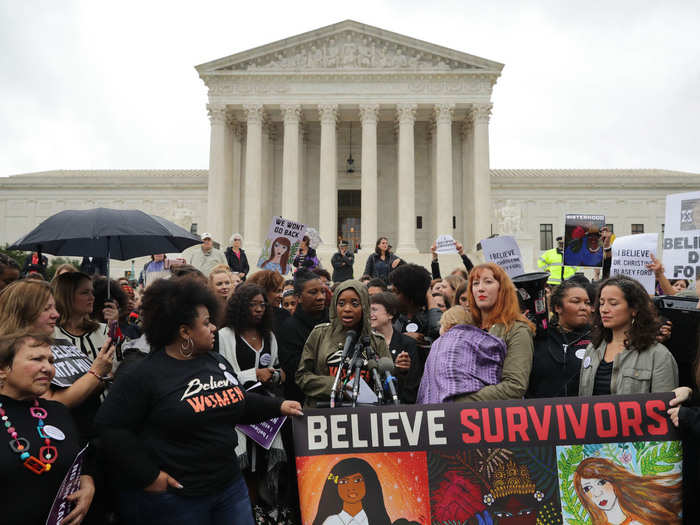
{"x":631,"y":254}
{"x":505,"y":252}
{"x":682,"y":236}
{"x":546,"y":461}
{"x":281,"y":245}
{"x":582,"y":243}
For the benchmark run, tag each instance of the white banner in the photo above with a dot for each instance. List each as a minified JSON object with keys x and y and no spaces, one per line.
{"x":445,"y":244}
{"x":631,"y":254}
{"x":505,"y":252}
{"x":682,"y":236}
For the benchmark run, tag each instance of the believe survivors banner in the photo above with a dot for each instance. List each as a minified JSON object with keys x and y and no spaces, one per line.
{"x":576,"y":460}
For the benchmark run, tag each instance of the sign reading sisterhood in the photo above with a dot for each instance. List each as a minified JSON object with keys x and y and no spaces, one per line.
{"x":505,"y":252}
{"x":452,"y":463}
{"x":582,"y":242}
{"x":282,"y":243}
{"x":682,"y":236}
{"x":630,"y":256}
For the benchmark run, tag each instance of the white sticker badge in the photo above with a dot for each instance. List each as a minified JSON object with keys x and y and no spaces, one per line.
{"x":580,"y":353}
{"x":265,"y":359}
{"x":54,"y":432}
{"x":587,"y":362}
{"x":411,"y":328}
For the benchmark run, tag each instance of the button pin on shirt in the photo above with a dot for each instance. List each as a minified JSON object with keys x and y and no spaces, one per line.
{"x":587,"y":362}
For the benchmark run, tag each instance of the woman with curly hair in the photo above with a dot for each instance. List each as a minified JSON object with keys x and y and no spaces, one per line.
{"x":493,"y":304}
{"x":612,"y":494}
{"x":352,"y":492}
{"x":624,"y":333}
{"x":168,"y":425}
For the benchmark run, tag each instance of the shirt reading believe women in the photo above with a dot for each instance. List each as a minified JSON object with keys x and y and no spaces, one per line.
{"x":179,"y":416}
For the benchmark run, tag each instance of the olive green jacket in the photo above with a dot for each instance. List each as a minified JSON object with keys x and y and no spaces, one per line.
{"x":651,"y":370}
{"x":325,"y":343}
{"x":516,"y":366}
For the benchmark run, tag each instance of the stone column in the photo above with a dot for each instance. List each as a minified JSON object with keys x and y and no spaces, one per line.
{"x":480,"y":171}
{"x":467,"y":136}
{"x":219,"y":154}
{"x":443,"y":170}
{"x":252,"y":202}
{"x":328,"y":183}
{"x":369,"y":208}
{"x":237,"y":198}
{"x":291,"y":115}
{"x":406,"y":244}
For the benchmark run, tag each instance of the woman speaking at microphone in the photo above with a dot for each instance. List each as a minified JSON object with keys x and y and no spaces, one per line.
{"x":349,"y":310}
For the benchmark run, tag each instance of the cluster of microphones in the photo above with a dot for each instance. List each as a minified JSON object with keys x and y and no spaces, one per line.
{"x":358,"y":354}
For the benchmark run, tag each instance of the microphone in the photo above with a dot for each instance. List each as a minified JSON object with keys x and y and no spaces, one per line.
{"x":356,"y":381}
{"x":349,"y":340}
{"x":386,"y":366}
{"x":372,"y":365}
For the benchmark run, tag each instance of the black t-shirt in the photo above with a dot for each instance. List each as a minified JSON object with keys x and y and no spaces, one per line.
{"x":603,"y":379}
{"x":178,"y":416}
{"x":26,"y":497}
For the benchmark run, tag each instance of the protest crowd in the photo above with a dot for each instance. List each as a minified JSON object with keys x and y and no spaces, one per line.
{"x":165,"y":376}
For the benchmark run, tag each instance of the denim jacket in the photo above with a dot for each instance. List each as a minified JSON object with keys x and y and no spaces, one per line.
{"x":634,"y":372}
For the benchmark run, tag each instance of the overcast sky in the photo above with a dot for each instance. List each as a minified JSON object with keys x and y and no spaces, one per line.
{"x":97,"y":85}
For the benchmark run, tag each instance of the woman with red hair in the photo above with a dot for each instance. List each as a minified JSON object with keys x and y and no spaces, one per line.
{"x":493,"y":304}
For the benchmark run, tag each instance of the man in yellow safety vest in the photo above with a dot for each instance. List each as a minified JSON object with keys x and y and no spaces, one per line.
{"x":552,"y":261}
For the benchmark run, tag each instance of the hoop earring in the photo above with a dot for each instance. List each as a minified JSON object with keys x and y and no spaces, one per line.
{"x":187,"y":349}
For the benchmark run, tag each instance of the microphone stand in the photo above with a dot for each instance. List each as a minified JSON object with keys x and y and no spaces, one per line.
{"x":373,"y":364}
{"x":357,"y":363}
{"x":336,"y":381}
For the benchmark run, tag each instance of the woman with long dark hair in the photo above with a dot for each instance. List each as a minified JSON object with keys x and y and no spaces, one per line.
{"x":625,"y":326}
{"x":279,"y":256}
{"x":382,"y":261}
{"x":559,"y":349}
{"x":352,"y":492}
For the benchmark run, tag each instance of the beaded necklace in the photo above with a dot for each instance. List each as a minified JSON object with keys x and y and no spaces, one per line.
{"x":20,"y":445}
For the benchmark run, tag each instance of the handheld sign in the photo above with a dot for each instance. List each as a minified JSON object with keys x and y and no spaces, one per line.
{"x":682,"y":236}
{"x":631,"y":254}
{"x":282,"y":243}
{"x":71,"y":483}
{"x":582,"y":242}
{"x":445,"y":244}
{"x":505,"y":252}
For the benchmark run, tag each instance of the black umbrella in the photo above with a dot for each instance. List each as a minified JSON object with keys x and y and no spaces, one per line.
{"x":103,"y":232}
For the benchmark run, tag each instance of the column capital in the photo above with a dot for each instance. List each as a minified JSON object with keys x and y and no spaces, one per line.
{"x":369,"y":113}
{"x":328,"y":113}
{"x":238,"y":129}
{"x":481,"y":113}
{"x":291,"y":113}
{"x":443,"y":113}
{"x":406,"y":113}
{"x":217,"y":113}
{"x":465,"y":130}
{"x":254,"y":113}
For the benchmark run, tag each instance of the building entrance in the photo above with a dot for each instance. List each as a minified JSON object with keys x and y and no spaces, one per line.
{"x":349,"y":205}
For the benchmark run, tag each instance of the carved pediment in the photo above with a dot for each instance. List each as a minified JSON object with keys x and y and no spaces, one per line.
{"x":349,"y":46}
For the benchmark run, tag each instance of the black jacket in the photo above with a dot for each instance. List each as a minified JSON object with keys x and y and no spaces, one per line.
{"x":555,"y":365}
{"x":342,"y":266}
{"x":407,"y":387}
{"x":236,"y":265}
{"x":291,"y":337}
{"x":374,"y":272}
{"x":98,"y":266}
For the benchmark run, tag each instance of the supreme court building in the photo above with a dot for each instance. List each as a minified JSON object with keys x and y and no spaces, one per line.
{"x":357,"y":132}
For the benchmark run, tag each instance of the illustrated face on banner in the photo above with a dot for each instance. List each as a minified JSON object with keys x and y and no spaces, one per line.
{"x":351,"y":489}
{"x":639,"y":482}
{"x":599,"y":492}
